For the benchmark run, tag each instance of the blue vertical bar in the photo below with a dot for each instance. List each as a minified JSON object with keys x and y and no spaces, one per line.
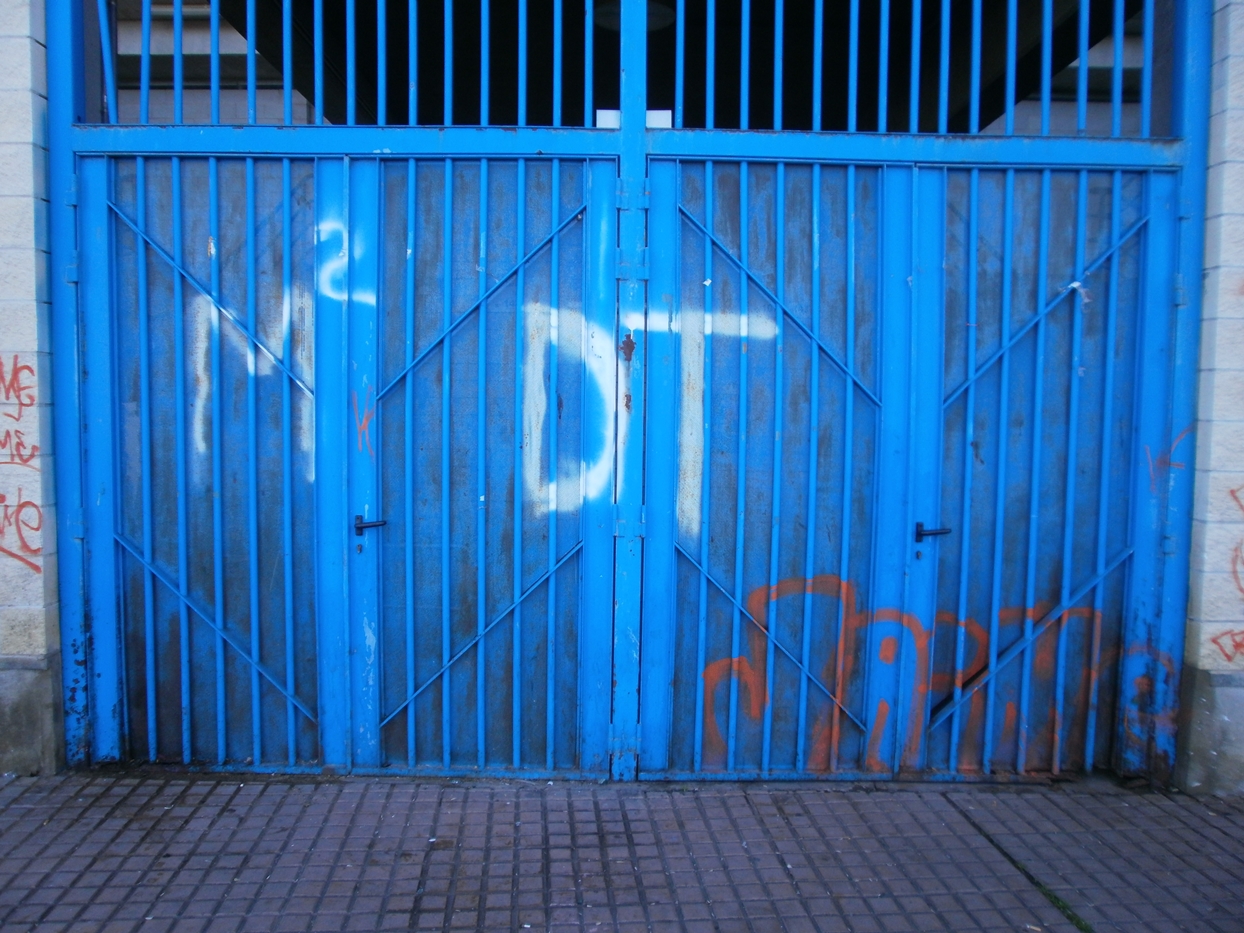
{"x":710,"y":65}
{"x":927,"y":416}
{"x":943,"y":71}
{"x":745,"y":64}
{"x":974,"y":101}
{"x":550,"y":645}
{"x":214,"y":26}
{"x":1146,"y":73}
{"x":318,"y":57}
{"x":818,"y":64}
{"x":412,"y":61}
{"x":485,"y":75}
{"x":351,"y":62}
{"x":250,"y":60}
{"x":218,"y":484}
{"x":410,"y":415}
{"x":1103,"y":479}
{"x":1082,"y":71}
{"x":631,"y":308}
{"x":520,"y":331}
{"x":447,"y":114}
{"x":287,"y":61}
{"x":481,"y":474}
{"x":1012,"y":13}
{"x":1190,"y":120}
{"x":706,"y":485}
{"x":779,"y":34}
{"x":365,"y":222}
{"x":66,"y":239}
{"x":660,"y":619}
{"x":814,"y":436}
{"x":96,"y":289}
{"x":589,"y":44}
{"x":252,"y":460}
{"x":1141,"y":746}
{"x":1073,"y":444}
{"x":740,"y":488}
{"x":913,"y":93}
{"x":178,"y":63}
{"x":332,"y":512}
{"x":183,"y":520}
{"x":680,"y":62}
{"x":1116,"y":73}
{"x":382,"y":63}
{"x":1047,"y":64}
{"x":447,"y":311}
{"x":779,"y":411}
{"x":999,"y":513}
{"x":287,"y":455}
{"x":522,"y":61}
{"x":848,"y":469}
{"x":853,"y":68}
{"x":144,"y":411}
{"x":969,"y":447}
{"x":109,"y":57}
{"x":558,"y":50}
{"x":144,"y":66}
{"x":596,"y":566}
{"x":887,"y":685}
{"x":1034,"y":478}
{"x":883,"y":68}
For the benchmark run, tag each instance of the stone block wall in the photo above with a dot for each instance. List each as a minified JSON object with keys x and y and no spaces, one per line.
{"x":31,"y":734}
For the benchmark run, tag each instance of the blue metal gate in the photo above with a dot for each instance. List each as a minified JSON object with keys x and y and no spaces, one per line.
{"x":823,"y":410}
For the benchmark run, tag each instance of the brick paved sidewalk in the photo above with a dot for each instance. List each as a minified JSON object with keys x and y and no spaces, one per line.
{"x":157,"y":851}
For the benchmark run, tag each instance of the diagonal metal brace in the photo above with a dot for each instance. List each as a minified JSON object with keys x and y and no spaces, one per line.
{"x":576,"y":214}
{"x":941,"y":712}
{"x":773,"y":299}
{"x":473,"y":641}
{"x":1044,"y":313}
{"x":203,"y":614}
{"x":807,"y":673}
{"x":206,"y":293}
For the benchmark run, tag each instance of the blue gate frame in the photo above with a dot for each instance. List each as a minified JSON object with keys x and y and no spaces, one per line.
{"x":632,"y":553}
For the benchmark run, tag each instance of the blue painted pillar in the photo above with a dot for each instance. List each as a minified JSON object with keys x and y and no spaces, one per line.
{"x":632,"y":350}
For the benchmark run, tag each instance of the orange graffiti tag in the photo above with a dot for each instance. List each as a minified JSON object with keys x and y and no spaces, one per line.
{"x":362,"y":423}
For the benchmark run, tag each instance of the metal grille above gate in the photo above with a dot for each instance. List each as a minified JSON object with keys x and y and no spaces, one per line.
{"x":518,"y":387}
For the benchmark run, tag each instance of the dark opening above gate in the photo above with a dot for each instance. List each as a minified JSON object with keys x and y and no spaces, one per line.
{"x":926,"y":66}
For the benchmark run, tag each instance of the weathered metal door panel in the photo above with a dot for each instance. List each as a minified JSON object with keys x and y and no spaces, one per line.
{"x":480,"y":440}
{"x":795,"y":623}
{"x":198,"y":305}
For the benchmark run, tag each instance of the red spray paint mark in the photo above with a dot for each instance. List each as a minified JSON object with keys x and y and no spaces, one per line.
{"x":16,"y":522}
{"x":872,"y":760}
{"x":362,"y":423}
{"x":17,"y":387}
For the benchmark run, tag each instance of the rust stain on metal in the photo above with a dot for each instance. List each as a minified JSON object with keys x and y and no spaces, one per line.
{"x":626,"y":400}
{"x":627,"y":346}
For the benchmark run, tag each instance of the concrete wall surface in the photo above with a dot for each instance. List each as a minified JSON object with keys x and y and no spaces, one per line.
{"x":31,"y":733}
{"x":1211,"y":736}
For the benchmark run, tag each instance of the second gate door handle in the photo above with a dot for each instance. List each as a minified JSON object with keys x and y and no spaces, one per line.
{"x":359,"y":525}
{"x":922,"y":532}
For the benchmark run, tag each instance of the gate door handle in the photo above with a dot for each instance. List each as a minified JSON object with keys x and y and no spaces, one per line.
{"x":359,"y":525}
{"x":921,"y":532}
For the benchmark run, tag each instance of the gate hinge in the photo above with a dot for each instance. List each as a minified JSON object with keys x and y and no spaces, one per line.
{"x":628,"y":526}
{"x":632,"y":196}
{"x":632,"y":263}
{"x":1180,"y":298}
{"x":71,"y":268}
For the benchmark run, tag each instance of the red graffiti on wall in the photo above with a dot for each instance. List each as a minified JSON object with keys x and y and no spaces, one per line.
{"x":16,"y":451}
{"x":17,"y":386}
{"x":18,"y":520}
{"x":1164,"y":464}
{"x":1231,"y":644}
